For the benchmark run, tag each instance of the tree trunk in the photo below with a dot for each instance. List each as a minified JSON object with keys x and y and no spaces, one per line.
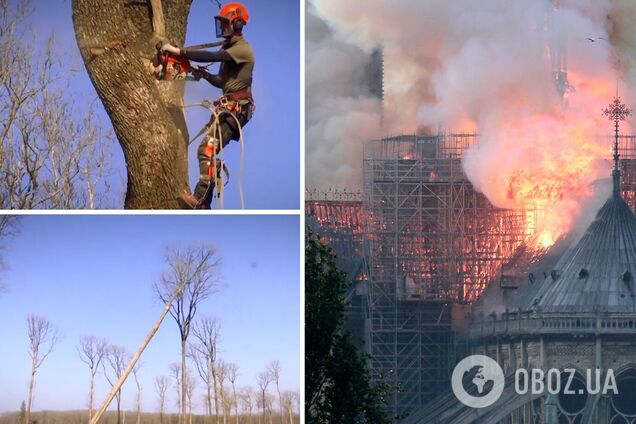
{"x":184,"y":383}
{"x":216,"y":395}
{"x":280,"y":403}
{"x":223,"y":402}
{"x":116,"y":40}
{"x":27,"y":417}
{"x":118,"y":399}
{"x":138,"y":406}
{"x":91,"y":395}
{"x":208,"y":388}
{"x":235,"y":403}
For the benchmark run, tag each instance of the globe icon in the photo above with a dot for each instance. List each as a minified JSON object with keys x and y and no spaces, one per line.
{"x":477,"y":382}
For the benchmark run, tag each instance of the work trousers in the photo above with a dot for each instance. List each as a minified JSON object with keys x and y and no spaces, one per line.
{"x":208,"y":174}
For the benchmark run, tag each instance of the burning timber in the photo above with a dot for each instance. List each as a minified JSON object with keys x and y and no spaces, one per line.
{"x":420,"y":246}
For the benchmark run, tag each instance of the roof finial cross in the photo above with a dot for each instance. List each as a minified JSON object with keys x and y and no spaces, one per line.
{"x":617,"y":111}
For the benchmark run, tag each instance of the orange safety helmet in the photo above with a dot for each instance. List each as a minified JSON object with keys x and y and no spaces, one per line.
{"x":231,"y":19}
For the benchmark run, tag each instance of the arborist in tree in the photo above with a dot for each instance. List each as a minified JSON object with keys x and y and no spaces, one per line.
{"x":234,"y":108}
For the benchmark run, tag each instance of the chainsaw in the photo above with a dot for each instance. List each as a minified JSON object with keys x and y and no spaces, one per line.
{"x":169,"y":67}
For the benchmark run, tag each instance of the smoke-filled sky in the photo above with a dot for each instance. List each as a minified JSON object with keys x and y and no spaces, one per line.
{"x":466,"y":65}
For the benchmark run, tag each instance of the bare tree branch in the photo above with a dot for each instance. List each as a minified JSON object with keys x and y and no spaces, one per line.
{"x":232,"y":375}
{"x":92,"y":352}
{"x":263,"y":381}
{"x":247,"y":400}
{"x":117,"y":359}
{"x":274,"y":370}
{"x":42,"y":339}
{"x":207,"y":333}
{"x":161,"y":386}
{"x":53,"y":149}
{"x":194,"y":269}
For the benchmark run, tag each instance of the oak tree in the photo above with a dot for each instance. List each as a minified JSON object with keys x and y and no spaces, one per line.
{"x":117,"y":41}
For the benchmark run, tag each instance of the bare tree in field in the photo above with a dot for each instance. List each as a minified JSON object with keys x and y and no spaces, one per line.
{"x":116,"y":40}
{"x":117,"y":359}
{"x":175,"y":371}
{"x":290,"y":400}
{"x":161,"y":385}
{"x":232,"y":375}
{"x":269,"y":400}
{"x":192,"y":385}
{"x":196,"y":270}
{"x":274,"y":370}
{"x":42,"y":339}
{"x":200,"y":363}
{"x":221,"y":375}
{"x":247,"y":400}
{"x":138,"y":397}
{"x":206,"y":331}
{"x":91,"y":352}
{"x":52,"y":148}
{"x":263,"y":381}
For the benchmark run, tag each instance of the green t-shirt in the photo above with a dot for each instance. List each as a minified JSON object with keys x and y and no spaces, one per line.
{"x":237,"y":75}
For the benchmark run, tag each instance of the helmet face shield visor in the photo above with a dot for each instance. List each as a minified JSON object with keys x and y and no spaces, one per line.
{"x":223,"y":27}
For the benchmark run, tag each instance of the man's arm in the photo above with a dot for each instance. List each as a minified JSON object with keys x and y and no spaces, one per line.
{"x":198,"y":55}
{"x":206,"y":56}
{"x":215,"y":80}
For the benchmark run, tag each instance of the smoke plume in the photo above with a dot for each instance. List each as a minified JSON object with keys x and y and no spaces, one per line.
{"x":487,"y":66}
{"x":341,"y":113}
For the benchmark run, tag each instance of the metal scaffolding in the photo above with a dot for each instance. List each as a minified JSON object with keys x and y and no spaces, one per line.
{"x":417,"y":241}
{"x":433,"y":241}
{"x":627,"y":162}
{"x":338,"y":218}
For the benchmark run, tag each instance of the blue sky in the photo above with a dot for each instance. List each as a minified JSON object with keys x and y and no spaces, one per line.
{"x":271,"y":179}
{"x":93,"y":275}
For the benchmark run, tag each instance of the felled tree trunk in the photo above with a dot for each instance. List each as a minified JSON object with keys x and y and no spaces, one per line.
{"x":117,"y":40}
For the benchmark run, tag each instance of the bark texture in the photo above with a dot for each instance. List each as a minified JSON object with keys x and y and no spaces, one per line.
{"x":116,"y":40}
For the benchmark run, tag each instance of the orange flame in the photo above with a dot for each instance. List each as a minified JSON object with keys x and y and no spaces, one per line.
{"x":549,"y":160}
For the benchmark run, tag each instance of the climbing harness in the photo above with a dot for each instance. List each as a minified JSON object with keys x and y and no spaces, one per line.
{"x":227,"y":105}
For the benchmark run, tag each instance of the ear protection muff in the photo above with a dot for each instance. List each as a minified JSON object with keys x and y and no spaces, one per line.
{"x":238,"y":25}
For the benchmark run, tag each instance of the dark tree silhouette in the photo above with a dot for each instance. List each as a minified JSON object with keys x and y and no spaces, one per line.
{"x":338,"y":386}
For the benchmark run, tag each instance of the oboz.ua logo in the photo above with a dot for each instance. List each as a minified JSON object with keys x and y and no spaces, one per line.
{"x":478,"y":381}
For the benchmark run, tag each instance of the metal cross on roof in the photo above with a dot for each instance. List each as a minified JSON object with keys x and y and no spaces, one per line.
{"x":617,"y":111}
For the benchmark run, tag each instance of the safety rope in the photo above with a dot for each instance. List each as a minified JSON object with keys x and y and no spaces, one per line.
{"x":220,"y":187}
{"x":242,"y":161}
{"x":216,"y":134}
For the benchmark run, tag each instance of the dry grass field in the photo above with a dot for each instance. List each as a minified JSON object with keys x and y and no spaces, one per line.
{"x":130,"y":417}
